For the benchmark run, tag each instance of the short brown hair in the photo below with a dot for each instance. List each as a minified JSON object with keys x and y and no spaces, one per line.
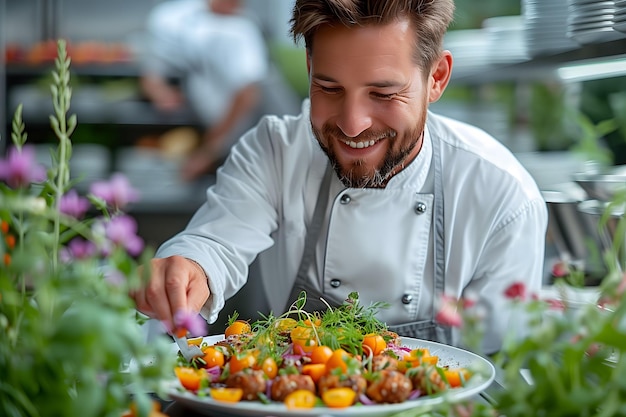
{"x":430,"y":18}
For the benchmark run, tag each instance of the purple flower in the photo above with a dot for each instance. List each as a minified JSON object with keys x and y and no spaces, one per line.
{"x":78,"y":248}
{"x":122,"y":231}
{"x":73,"y":205}
{"x":114,"y":277}
{"x":117,"y":192}
{"x":191,"y":322}
{"x":20,"y":168}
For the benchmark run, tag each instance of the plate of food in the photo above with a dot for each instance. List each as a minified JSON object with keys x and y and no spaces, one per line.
{"x":340,"y":363}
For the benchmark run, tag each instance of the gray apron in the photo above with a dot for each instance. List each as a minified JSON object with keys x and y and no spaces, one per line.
{"x":427,"y":329}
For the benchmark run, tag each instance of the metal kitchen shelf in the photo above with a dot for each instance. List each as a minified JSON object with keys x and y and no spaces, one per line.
{"x":542,"y":67}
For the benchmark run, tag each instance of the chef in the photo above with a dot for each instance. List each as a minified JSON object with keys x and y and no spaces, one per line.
{"x":366,"y":190}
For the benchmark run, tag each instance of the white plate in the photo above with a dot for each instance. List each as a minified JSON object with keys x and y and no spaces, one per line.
{"x":448,"y":356}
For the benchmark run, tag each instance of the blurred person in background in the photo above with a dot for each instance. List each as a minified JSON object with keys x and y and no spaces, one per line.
{"x":219,"y":56}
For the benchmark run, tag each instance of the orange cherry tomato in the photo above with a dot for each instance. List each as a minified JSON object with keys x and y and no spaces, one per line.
{"x":303,"y":339}
{"x":190,"y":378}
{"x":339,"y":359}
{"x":241,"y":361}
{"x":229,"y":395}
{"x":269,"y":367}
{"x":300,"y":398}
{"x":375,"y":342}
{"x":321,"y":354}
{"x":456,"y":377}
{"x":339,"y":397}
{"x":237,"y":327}
{"x":316,"y":322}
{"x":314,"y":370}
{"x":213,"y":357}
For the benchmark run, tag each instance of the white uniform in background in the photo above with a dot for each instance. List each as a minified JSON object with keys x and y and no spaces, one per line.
{"x":379,"y":242}
{"x":216,"y":54}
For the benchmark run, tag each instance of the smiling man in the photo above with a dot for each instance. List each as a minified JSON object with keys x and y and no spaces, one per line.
{"x":366,"y":190}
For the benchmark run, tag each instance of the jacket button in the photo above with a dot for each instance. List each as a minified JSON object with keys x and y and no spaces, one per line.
{"x":407,"y":298}
{"x":335,"y":283}
{"x":420,"y":208}
{"x":345,"y":199}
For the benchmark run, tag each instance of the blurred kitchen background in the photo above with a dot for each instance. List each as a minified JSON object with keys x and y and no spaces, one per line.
{"x":543,"y":76}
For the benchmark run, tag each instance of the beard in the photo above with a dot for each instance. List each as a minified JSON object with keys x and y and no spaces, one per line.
{"x":357,"y":174}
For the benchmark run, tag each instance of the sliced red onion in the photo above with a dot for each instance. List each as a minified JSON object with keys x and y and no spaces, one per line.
{"x":414,"y":395}
{"x":214,"y":373}
{"x":365,"y":400}
{"x":268,"y":388}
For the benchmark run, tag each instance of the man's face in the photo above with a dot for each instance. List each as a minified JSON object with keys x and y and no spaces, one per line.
{"x":368,"y":100}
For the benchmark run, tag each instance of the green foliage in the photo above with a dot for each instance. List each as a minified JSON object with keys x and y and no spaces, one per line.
{"x":67,"y":332}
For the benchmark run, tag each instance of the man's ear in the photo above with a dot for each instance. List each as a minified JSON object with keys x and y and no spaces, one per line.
{"x":439,"y":76}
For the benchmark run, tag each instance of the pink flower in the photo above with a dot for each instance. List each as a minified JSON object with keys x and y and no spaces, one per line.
{"x":560,"y":269}
{"x":73,"y":205}
{"x":190,"y":321}
{"x":117,"y":192}
{"x":448,"y":314}
{"x":516,"y":291}
{"x":20,"y":168}
{"x":555,"y":304}
{"x":122,"y":231}
{"x":78,"y":248}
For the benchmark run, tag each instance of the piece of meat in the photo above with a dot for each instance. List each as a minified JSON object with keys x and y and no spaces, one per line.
{"x":426,"y":379}
{"x":381,"y":362}
{"x":252,"y":382}
{"x":284,"y":385}
{"x":389,"y":386}
{"x":357,"y":383}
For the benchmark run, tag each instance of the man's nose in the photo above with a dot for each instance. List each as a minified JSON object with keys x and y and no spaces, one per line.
{"x":354,"y":117}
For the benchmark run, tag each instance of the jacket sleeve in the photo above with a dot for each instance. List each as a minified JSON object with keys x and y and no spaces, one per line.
{"x":237,"y":219}
{"x":513,"y":253}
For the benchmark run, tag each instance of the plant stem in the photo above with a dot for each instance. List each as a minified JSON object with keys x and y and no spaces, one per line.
{"x":61,"y":94}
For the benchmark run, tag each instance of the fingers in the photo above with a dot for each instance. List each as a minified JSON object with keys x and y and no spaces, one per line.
{"x":176,"y":284}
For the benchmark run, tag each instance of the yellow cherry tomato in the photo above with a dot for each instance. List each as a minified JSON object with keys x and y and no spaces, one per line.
{"x":237,"y":327}
{"x":339,"y":397}
{"x":303,"y":339}
{"x":456,"y":377}
{"x":229,"y":395}
{"x":190,"y":378}
{"x":374,"y":342}
{"x":213,"y":357}
{"x":241,"y":361}
{"x":285,"y":324}
{"x":314,"y":370}
{"x":269,"y":367}
{"x":300,"y":399}
{"x":339,"y":359}
{"x":321,"y":354}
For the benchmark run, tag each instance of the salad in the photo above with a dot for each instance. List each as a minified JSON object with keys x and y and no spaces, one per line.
{"x":337,"y":358}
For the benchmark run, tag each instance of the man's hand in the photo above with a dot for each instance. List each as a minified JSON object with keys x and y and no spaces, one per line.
{"x":176,"y":284}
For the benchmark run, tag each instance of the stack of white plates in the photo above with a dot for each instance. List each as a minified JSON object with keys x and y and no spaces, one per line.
{"x":619,"y":20}
{"x":591,"y":21}
{"x":545,"y":27}
{"x":470,"y":51}
{"x":505,"y":36}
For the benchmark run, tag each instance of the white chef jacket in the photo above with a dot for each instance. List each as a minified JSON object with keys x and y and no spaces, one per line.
{"x":495,"y":222}
{"x":215,"y":54}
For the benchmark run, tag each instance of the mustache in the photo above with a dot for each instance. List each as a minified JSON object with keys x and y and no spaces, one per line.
{"x":335,"y":132}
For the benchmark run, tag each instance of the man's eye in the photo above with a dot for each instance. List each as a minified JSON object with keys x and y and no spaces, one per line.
{"x":331,"y":90}
{"x":383,"y":96}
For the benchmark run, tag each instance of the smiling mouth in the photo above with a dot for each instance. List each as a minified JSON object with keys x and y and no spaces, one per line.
{"x":359,"y":145}
{"x":367,"y":143}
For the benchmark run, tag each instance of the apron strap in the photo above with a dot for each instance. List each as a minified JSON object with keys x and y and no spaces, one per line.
{"x":312,"y":235}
